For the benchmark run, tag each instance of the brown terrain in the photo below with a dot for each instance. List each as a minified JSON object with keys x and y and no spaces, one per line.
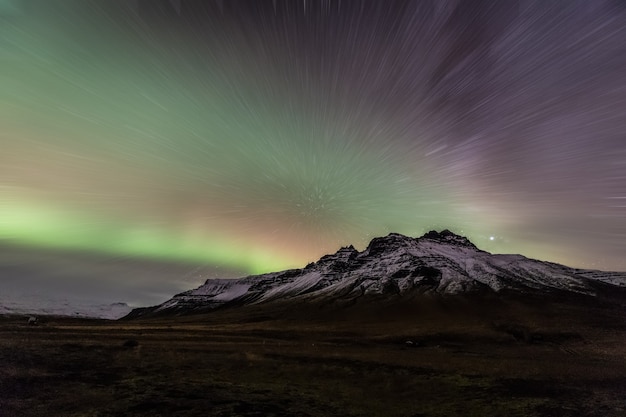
{"x":480,"y":355}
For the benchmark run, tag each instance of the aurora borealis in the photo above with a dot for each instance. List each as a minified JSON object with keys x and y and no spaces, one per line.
{"x":253,"y":136}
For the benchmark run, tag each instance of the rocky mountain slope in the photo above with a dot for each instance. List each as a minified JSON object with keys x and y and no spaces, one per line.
{"x":394,"y":265}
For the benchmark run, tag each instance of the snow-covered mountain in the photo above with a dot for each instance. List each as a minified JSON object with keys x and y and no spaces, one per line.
{"x":443,"y":263}
{"x":37,"y":306}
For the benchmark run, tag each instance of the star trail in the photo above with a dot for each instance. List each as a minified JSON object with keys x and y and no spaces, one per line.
{"x":255,"y":136}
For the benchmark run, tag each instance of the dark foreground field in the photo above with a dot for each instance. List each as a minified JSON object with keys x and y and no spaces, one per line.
{"x":431,"y":357}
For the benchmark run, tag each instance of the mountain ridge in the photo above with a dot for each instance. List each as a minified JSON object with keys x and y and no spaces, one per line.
{"x":394,"y":265}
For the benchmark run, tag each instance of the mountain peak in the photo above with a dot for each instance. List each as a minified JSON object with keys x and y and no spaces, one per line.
{"x":348,"y":248}
{"x":345,"y":253}
{"x":446,"y":236}
{"x":396,"y":240}
{"x":392,"y":240}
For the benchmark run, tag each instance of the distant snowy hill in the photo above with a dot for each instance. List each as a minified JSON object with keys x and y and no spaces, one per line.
{"x":41,"y":306}
{"x":394,"y":265}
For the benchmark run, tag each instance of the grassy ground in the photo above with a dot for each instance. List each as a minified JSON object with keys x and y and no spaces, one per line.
{"x":463,"y":360}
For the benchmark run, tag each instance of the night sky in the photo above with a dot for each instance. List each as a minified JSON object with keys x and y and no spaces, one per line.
{"x":148,"y":145}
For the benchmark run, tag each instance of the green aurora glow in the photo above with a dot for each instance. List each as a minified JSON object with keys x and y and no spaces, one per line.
{"x":227,"y":148}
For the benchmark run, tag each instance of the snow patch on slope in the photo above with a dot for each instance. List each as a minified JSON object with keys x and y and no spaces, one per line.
{"x":295,"y":287}
{"x":232,"y":292}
